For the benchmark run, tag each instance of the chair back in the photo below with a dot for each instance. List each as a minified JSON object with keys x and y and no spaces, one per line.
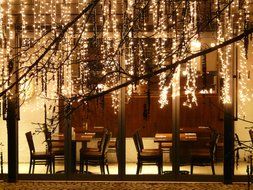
{"x":136,"y":143}
{"x":251,"y":135}
{"x":213,"y":144}
{"x":140,"y":140}
{"x":29,"y":138}
{"x":47,"y":138}
{"x":103,"y":140}
{"x":106,"y":143}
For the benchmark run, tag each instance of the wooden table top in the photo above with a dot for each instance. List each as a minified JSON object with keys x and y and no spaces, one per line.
{"x":167,"y":137}
{"x":78,"y":137}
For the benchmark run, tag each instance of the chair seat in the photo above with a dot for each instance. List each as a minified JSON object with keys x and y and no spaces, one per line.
{"x":91,"y":154}
{"x":151,"y":154}
{"x":42,"y":155}
{"x":200,"y":153}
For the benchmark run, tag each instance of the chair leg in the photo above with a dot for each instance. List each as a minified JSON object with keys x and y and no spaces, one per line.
{"x":107,"y":168}
{"x":191,"y":168}
{"x":48,"y":164}
{"x":212,"y":166}
{"x":30,"y":167}
{"x":53,"y":165}
{"x":81,"y":163}
{"x":81,"y":166}
{"x":138,"y":168}
{"x":102,"y":167}
{"x":160,"y":167}
{"x":86,"y":167}
{"x":33,"y":166}
{"x":47,"y":169}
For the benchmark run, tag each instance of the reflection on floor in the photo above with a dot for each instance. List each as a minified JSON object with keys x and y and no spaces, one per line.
{"x":131,"y":168}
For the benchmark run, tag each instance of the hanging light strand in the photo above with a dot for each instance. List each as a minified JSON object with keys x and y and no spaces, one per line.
{"x":191,"y":66}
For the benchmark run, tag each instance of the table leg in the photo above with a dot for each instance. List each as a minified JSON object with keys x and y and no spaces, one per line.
{"x":84,"y":147}
{"x":73,"y":154}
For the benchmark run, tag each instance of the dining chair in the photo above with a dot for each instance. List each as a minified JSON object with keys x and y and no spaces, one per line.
{"x":147,"y":156}
{"x":205,"y":156}
{"x":55,"y":148}
{"x":39,"y":158}
{"x":140,"y":141}
{"x":112,"y":147}
{"x":50,"y":144}
{"x":96,"y":157}
{"x":101,"y":136}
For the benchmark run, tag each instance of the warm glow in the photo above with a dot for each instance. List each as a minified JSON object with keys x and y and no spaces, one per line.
{"x":195,"y":46}
{"x":118,"y":44}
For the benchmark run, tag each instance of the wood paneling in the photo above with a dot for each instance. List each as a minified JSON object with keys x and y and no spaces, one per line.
{"x":96,"y":113}
{"x":158,"y":121}
{"x":207,"y":113}
{"x":100,"y":113}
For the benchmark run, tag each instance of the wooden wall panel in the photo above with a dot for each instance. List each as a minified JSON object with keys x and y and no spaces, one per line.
{"x":159,"y":120}
{"x":96,"y":113}
{"x":207,"y":113}
{"x":100,"y":113}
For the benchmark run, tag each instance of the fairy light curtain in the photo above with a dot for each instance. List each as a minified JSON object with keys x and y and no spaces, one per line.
{"x":111,"y":41}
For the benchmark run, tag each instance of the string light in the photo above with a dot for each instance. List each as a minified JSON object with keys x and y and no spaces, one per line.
{"x":108,"y":39}
{"x":225,"y":58}
{"x":191,"y":66}
{"x":243,"y":67}
{"x":129,"y":53}
{"x":174,"y":82}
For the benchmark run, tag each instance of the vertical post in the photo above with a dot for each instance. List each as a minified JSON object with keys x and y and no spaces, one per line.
{"x":228,"y":144}
{"x":175,"y":130}
{"x":121,"y":136}
{"x":121,"y":149}
{"x":12,"y":119}
{"x":12,"y":129}
{"x":175,"y":134}
{"x":67,"y":141}
{"x":229,"y":124}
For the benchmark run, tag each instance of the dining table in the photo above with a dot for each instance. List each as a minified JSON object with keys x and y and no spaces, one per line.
{"x":166,"y":138}
{"x":83,"y":138}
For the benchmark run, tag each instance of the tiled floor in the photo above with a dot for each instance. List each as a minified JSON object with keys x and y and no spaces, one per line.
{"x":48,"y":185}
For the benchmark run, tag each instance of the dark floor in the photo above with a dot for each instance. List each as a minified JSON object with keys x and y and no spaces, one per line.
{"x":48,"y":185}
